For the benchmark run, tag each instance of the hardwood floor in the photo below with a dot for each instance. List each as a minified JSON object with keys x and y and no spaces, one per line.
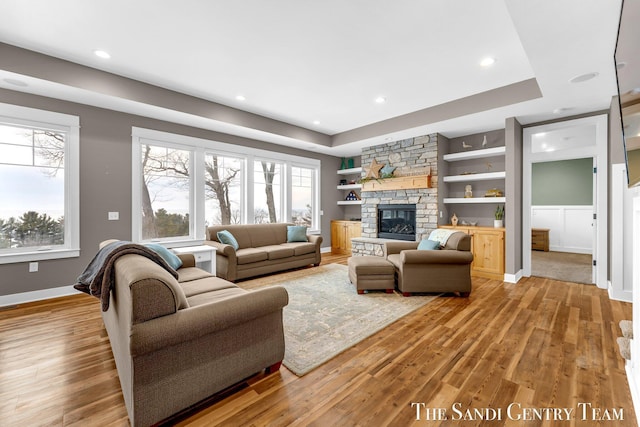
{"x":538,"y":344}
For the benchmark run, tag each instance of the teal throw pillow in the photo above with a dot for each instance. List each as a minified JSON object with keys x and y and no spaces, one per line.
{"x":171,"y":258}
{"x":227,"y":238}
{"x":297,"y":233}
{"x":428,"y":245}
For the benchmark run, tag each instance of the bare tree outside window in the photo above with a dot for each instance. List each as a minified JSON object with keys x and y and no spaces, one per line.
{"x":222,"y":188}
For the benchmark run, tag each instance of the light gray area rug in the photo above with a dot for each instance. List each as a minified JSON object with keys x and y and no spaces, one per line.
{"x":565,"y":266}
{"x":326,"y":316}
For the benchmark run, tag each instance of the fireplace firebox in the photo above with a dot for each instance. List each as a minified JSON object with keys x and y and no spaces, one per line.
{"x":397,"y":222}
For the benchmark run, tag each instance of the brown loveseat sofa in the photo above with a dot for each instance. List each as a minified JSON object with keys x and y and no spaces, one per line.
{"x":177,"y":342}
{"x":263,"y":249}
{"x":444,"y":270}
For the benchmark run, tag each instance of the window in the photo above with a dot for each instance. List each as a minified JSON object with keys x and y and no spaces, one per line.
{"x":302,"y":195}
{"x":184,"y":184}
{"x":166,"y":189}
{"x":39,"y":168}
{"x":223,"y":189}
{"x":267,"y":191}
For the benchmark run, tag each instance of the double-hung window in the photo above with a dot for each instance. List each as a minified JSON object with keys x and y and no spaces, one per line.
{"x":183,"y":184}
{"x":39,"y":191}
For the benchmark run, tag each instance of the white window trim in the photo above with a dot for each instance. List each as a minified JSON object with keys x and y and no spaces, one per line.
{"x":201,"y":147}
{"x":41,"y":119}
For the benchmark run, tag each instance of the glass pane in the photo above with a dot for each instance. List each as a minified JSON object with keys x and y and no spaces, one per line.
{"x":49,"y":149}
{"x":223,"y":189}
{"x":165,"y":193}
{"x":564,"y":139}
{"x":267,"y":204}
{"x":16,"y":155}
{"x":301,"y":195}
{"x":15,"y":135}
{"x":31,"y":207}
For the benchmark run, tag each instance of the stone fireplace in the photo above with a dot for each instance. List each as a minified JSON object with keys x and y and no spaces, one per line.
{"x":409,"y":157}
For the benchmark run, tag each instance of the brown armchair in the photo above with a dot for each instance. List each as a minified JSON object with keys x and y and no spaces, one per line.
{"x":444,"y":270}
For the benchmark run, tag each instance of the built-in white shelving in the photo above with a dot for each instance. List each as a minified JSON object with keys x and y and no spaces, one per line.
{"x":474,"y":200}
{"x":349,"y":187}
{"x":475,"y":154}
{"x":475,"y":177}
{"x":351,"y":171}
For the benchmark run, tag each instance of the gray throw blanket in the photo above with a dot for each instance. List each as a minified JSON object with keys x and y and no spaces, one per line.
{"x":99,"y":277}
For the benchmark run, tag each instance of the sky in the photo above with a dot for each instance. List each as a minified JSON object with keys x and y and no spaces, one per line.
{"x":28,"y":188}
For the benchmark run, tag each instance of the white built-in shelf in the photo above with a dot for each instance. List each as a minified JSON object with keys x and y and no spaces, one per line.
{"x":349,"y":186}
{"x":351,"y":171}
{"x":475,"y":154}
{"x":349,"y":202}
{"x":465,"y":200}
{"x":475,"y":177}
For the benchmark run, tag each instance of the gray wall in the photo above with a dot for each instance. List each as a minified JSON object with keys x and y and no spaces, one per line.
{"x":105,"y":184}
{"x":513,"y":194}
{"x":564,"y":182}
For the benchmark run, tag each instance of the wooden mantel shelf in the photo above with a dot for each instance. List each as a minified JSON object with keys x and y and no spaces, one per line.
{"x":399,"y":183}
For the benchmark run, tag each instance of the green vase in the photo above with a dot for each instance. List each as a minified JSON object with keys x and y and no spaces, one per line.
{"x":343,"y":165}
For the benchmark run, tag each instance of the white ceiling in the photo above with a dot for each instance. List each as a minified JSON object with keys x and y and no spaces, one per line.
{"x":300,"y":61}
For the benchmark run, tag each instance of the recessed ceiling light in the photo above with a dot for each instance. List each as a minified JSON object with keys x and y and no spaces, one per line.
{"x":15,"y":82}
{"x":584,"y":77}
{"x":561,"y":110}
{"x":241,"y":98}
{"x":101,"y":54}
{"x":316,"y":122}
{"x":381,"y":100}
{"x":488,"y":61}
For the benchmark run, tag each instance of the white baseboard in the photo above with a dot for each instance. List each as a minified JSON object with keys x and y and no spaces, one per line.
{"x":633,"y":388}
{"x":619,"y":294}
{"x":513,"y":278}
{"x":13,"y":299}
{"x":325,"y":250}
{"x":570,"y":249}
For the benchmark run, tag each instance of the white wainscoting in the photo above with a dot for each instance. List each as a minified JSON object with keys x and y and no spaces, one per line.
{"x":570,"y":227}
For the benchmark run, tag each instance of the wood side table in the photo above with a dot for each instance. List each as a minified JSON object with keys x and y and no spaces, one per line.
{"x":540,"y":239}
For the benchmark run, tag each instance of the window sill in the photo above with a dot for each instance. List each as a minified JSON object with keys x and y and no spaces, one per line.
{"x":39,"y":255}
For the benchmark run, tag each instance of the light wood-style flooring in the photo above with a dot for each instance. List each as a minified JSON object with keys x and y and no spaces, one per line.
{"x":538,"y":343}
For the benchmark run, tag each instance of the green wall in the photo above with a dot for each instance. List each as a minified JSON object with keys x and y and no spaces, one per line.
{"x":565,"y":182}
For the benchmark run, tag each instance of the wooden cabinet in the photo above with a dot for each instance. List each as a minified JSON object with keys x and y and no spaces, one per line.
{"x":341,"y":234}
{"x":487,"y":246}
{"x":540,"y":239}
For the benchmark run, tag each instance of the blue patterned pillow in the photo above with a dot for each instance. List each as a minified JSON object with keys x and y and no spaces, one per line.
{"x":297,"y":233}
{"x":428,"y":245}
{"x":171,"y":258}
{"x":227,"y":238}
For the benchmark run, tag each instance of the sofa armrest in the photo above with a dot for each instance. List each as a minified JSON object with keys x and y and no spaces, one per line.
{"x":188,"y":260}
{"x":195,"y":322}
{"x":315,"y":238}
{"x":222,"y":249}
{"x":436,"y":257}
{"x":397,"y":247}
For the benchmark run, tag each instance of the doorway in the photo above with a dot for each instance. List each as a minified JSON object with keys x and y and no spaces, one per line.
{"x":562,"y":195}
{"x":579,"y":228}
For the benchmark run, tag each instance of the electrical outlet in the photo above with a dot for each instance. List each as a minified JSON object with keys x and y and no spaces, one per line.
{"x":33,"y":267}
{"x":114,"y":216}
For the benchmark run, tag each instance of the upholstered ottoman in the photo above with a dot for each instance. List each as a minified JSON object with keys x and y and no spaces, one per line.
{"x":371,"y":273}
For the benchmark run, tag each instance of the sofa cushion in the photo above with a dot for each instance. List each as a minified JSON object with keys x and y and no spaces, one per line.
{"x":395,"y":260}
{"x":297,"y":233}
{"x":278,"y":251}
{"x":249,"y":255}
{"x":192,"y":273}
{"x":219,"y":295}
{"x":227,"y":238}
{"x":171,"y":258}
{"x":207,"y":284}
{"x":301,"y":248}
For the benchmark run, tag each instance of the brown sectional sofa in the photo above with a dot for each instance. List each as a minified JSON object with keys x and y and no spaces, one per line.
{"x":263,"y":249}
{"x":177,"y":342}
